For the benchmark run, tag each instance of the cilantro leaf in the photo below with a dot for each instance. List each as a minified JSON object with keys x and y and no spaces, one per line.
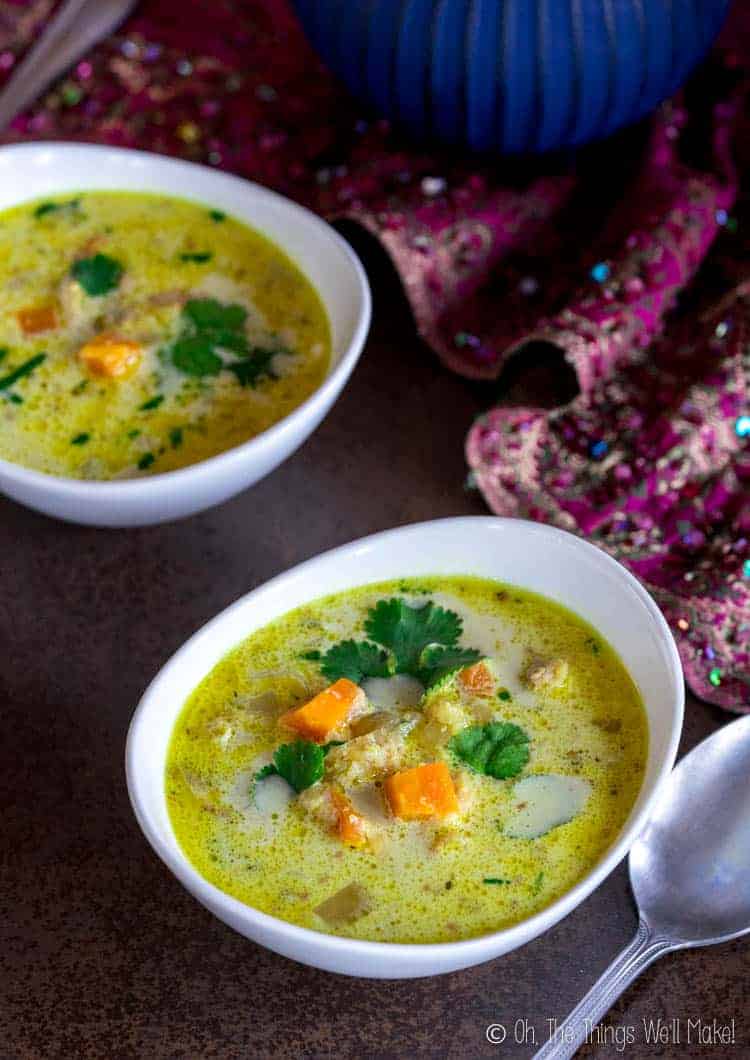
{"x":498,"y":749}
{"x":438,"y":662}
{"x":355,"y":661}
{"x":249,"y":371}
{"x":407,"y":631}
{"x":97,"y":275}
{"x":208,"y":313}
{"x":299,"y":763}
{"x":267,"y":771}
{"x":194,"y":355}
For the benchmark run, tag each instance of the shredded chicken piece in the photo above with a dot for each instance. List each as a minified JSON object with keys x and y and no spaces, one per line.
{"x":366,"y":758}
{"x":545,"y":674}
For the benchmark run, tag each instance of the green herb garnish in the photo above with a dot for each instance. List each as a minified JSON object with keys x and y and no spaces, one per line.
{"x":536,"y":883}
{"x":14,"y":399}
{"x":207,"y":313}
{"x":311,"y":656}
{"x":24,"y":369}
{"x":217,"y":215}
{"x":97,"y":275}
{"x":134,"y":433}
{"x":498,"y":749}
{"x":494,"y":879}
{"x":146,"y":461}
{"x":45,"y":208}
{"x":209,"y":326}
{"x":175,"y":437}
{"x":80,"y":387}
{"x":593,"y":644}
{"x":505,"y":695}
{"x":403,"y":640}
{"x":152,"y":403}
{"x":198,"y":257}
{"x":3,"y":352}
{"x":355,"y":661}
{"x":249,"y":371}
{"x":300,"y":763}
{"x":80,"y":439}
{"x":194,"y":355}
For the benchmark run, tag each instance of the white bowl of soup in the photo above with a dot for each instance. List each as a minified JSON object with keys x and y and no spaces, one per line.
{"x":415,"y":752}
{"x":169,"y":335}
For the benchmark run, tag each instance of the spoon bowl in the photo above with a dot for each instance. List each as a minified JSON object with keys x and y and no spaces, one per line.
{"x":689,"y":870}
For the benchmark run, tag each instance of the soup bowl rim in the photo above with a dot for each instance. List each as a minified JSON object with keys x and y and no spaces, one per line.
{"x":392,"y":959}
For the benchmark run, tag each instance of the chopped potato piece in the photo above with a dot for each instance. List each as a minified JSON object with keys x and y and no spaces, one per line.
{"x":425,"y":791}
{"x":477,"y":679}
{"x":111,"y":356}
{"x":319,"y":719}
{"x":34,"y":319}
{"x":444,"y":715}
{"x":345,"y":905}
{"x":367,"y":758}
{"x":544,"y":675}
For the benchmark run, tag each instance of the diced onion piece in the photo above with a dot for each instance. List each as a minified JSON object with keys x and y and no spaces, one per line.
{"x":345,"y":905}
{"x":543,"y":802}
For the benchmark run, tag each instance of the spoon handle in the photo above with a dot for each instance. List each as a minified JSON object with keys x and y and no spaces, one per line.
{"x":635,"y":958}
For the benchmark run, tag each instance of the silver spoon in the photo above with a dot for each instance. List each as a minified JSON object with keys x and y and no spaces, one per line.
{"x":77,"y":27}
{"x":689,"y":870}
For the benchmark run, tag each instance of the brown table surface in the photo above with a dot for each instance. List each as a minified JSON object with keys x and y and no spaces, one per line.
{"x":103,"y":953}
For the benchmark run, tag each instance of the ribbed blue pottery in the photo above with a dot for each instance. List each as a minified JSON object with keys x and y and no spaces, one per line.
{"x":513,"y":76}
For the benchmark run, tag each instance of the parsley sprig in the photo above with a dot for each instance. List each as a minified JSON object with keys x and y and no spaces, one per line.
{"x":422,"y":642}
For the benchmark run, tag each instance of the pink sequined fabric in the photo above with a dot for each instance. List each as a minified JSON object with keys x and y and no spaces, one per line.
{"x":629,"y":259}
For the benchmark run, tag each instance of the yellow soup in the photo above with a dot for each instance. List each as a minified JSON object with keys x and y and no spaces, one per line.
{"x":142,"y":333}
{"x":478,"y":751}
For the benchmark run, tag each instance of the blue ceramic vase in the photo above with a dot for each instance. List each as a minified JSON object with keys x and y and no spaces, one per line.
{"x":515,"y":76}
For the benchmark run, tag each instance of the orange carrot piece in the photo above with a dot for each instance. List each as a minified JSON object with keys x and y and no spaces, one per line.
{"x":478,"y":679}
{"x":320,"y":717}
{"x":34,"y":319}
{"x":350,"y":825}
{"x":111,"y":356}
{"x":425,"y":791}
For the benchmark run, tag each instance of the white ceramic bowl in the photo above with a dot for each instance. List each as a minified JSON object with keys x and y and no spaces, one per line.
{"x":30,"y":171}
{"x":529,"y":555}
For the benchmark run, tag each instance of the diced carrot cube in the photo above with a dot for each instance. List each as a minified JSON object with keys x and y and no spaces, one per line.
{"x":111,"y":356}
{"x":477,"y":679}
{"x":350,"y":825}
{"x":319,"y":718}
{"x":425,"y":791}
{"x":34,"y":319}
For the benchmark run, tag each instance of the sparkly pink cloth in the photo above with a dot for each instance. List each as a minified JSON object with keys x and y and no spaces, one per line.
{"x":629,"y":259}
